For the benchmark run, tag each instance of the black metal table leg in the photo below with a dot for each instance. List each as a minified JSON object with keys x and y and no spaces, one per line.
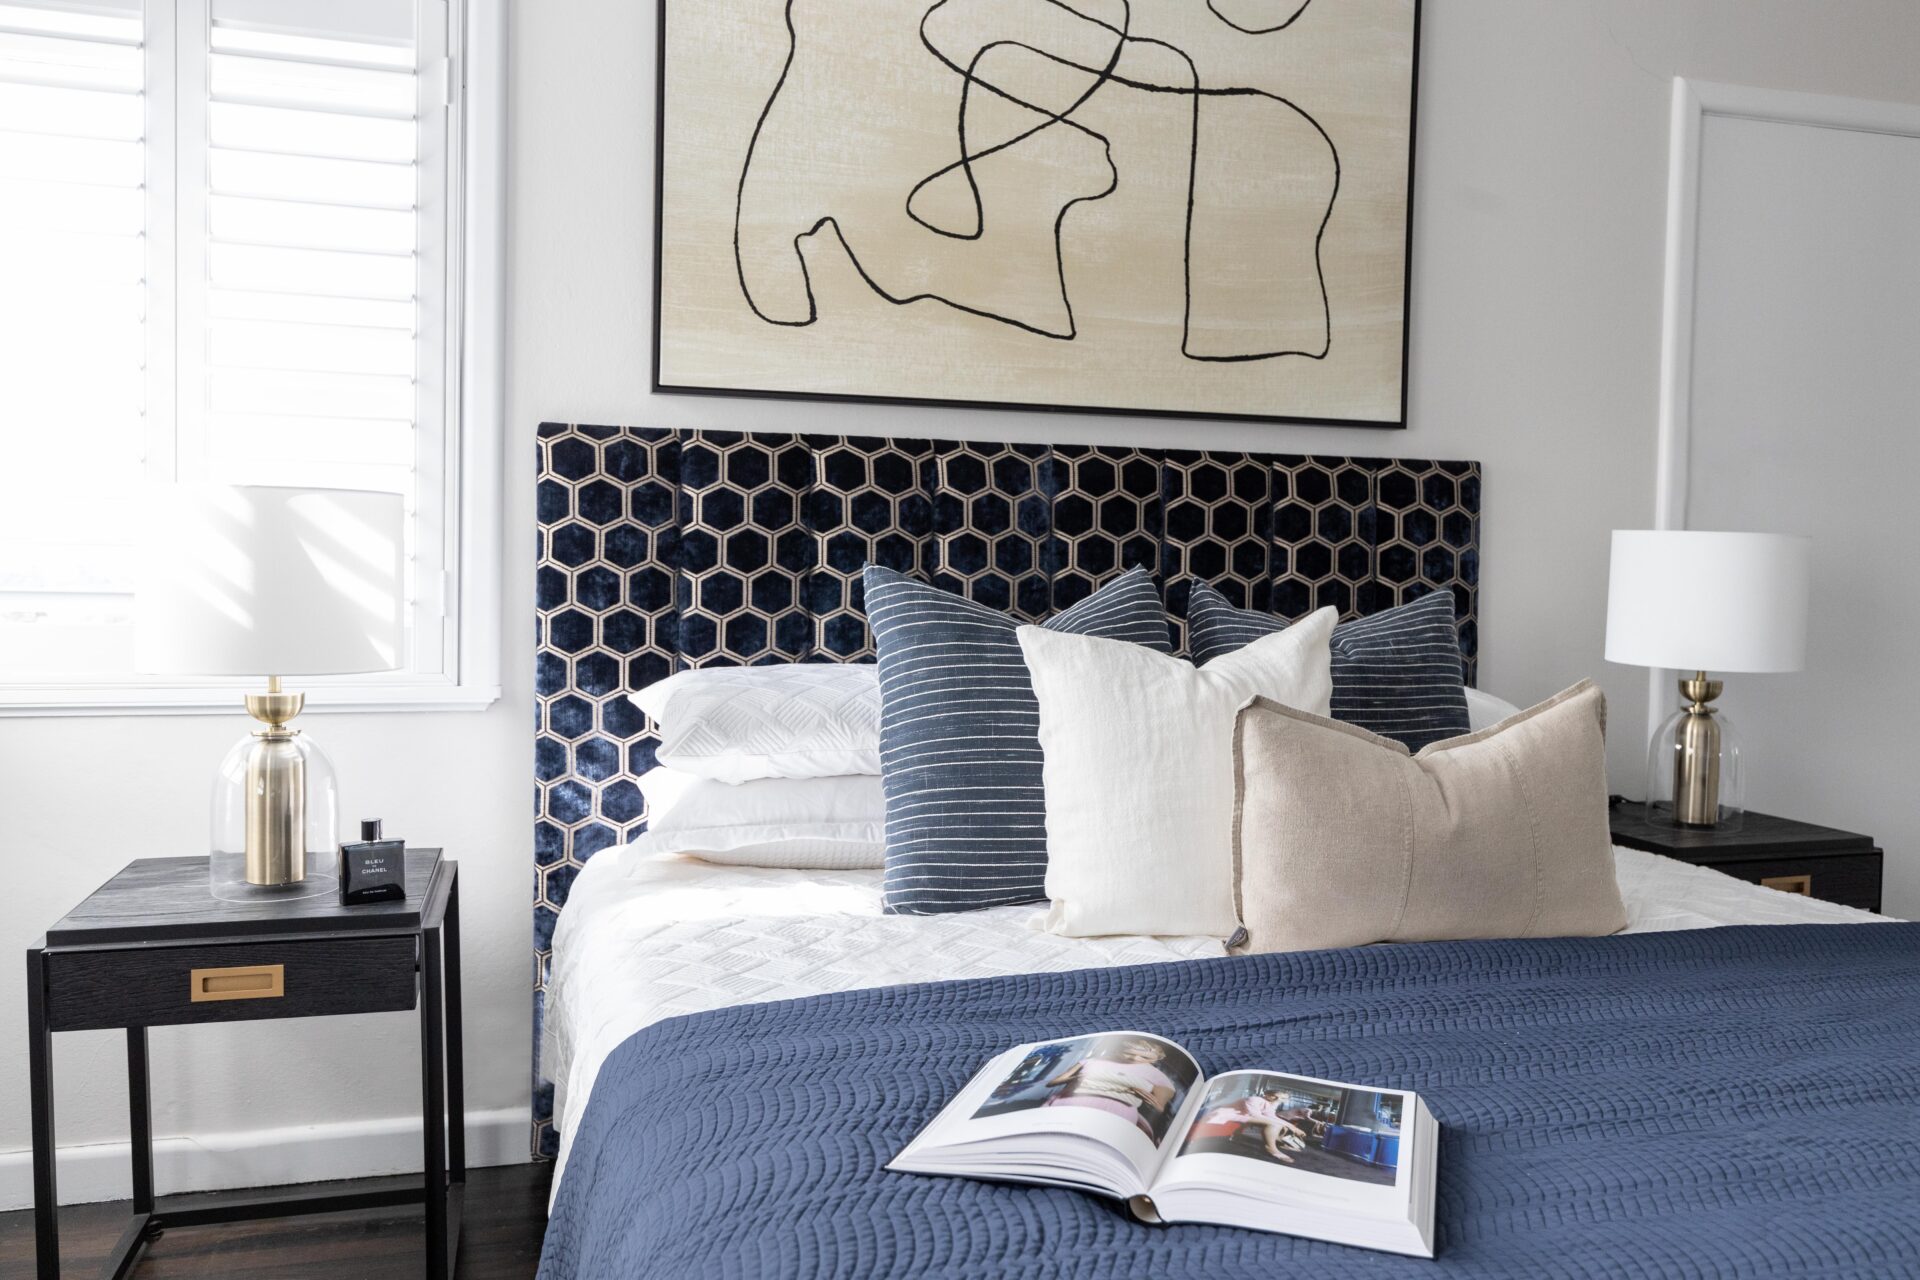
{"x":133,"y":1241}
{"x":433,"y":1102}
{"x":46,"y":1196}
{"x":456,"y":1058}
{"x":140,"y":1119}
{"x":127,"y":1250}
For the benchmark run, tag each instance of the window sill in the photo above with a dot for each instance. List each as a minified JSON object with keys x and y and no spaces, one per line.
{"x":209,"y":699}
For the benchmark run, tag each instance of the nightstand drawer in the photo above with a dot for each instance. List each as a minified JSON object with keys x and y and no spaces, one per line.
{"x":1852,"y":880}
{"x":235,"y":982}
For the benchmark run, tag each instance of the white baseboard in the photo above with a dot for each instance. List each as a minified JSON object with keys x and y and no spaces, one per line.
{"x":261,"y":1158}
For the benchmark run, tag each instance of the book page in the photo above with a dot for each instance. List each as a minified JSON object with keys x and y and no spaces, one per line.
{"x":1123,"y":1089}
{"x":1299,"y":1138}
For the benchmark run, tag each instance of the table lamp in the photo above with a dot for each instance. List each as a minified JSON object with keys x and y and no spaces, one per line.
{"x":270,"y":582}
{"x":1696,"y":602}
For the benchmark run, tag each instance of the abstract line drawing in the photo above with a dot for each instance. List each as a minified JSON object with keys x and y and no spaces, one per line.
{"x":1288,"y":321}
{"x":1193,"y":207}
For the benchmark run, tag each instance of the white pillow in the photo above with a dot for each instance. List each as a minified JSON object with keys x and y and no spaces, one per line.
{"x":831,"y":823}
{"x":1485,"y":711}
{"x":800,"y":720}
{"x":1138,"y":772}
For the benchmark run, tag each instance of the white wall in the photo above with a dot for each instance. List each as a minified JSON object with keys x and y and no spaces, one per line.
{"x":1806,"y":419}
{"x":1536,"y":310}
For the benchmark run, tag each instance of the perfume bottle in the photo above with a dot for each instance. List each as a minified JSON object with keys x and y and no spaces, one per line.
{"x":373,"y":869}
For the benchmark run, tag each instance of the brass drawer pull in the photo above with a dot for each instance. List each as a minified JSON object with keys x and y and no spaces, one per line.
{"x":1802,"y":885}
{"x":250,"y":982}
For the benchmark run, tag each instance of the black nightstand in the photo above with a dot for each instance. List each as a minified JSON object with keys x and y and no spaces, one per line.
{"x":152,"y":947}
{"x":1780,"y":853}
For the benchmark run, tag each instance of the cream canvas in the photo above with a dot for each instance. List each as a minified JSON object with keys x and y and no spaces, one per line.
{"x":1178,"y":208}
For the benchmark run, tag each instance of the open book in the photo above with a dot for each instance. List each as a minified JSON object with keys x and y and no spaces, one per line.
{"x":1129,"y":1114}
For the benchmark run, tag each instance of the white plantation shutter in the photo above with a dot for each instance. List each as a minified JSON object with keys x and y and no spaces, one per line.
{"x":73,"y":221}
{"x":225,"y":238}
{"x":319,"y":274}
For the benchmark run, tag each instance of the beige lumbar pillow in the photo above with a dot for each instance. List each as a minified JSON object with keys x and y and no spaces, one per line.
{"x":1343,"y":838}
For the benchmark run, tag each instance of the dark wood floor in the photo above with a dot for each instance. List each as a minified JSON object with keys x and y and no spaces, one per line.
{"x":505,"y":1216}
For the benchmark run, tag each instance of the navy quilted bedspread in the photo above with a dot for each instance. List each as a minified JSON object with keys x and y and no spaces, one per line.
{"x":1735,"y":1102}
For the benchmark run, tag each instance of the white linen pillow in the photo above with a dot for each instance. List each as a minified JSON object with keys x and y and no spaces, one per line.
{"x":819,"y":823}
{"x":797,"y":720}
{"x":1485,"y":711}
{"x":1138,"y":772}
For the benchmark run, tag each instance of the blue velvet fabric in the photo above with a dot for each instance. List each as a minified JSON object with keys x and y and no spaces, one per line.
{"x":1736,"y":1102}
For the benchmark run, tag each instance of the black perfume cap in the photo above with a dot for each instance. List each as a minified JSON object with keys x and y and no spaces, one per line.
{"x":369,"y":828}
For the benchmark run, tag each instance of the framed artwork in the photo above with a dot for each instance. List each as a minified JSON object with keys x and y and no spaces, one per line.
{"x":1197,"y":208}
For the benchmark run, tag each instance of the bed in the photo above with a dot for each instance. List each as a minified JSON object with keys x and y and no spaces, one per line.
{"x":664,"y":549}
{"x":650,"y":938}
{"x":1601,"y":1115}
{"x":727,"y":1055}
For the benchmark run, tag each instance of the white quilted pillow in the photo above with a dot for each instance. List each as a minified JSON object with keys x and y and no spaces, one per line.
{"x":829,"y":823}
{"x":736,"y":724}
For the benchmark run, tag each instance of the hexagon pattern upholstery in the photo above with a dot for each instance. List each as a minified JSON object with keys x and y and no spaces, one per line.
{"x":662,"y":549}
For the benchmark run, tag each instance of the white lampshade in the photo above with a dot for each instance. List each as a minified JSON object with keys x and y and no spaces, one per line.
{"x":1699,"y":601}
{"x":253,"y":581}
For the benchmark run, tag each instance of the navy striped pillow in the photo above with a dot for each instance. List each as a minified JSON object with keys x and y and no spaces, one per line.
{"x":959,"y":737}
{"x":1396,"y":673}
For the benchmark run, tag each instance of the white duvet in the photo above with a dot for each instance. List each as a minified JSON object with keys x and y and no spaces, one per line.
{"x":646,"y":937}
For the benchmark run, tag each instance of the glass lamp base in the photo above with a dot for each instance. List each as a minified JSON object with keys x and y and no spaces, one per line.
{"x":274,"y":793}
{"x":1696,"y":769}
{"x":1660,"y":814}
{"x":227,"y":878}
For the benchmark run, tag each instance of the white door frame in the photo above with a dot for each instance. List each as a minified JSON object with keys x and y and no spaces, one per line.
{"x":1693,"y":102}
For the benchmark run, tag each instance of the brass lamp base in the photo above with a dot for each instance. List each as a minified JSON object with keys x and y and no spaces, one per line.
{"x":276,"y":783}
{"x":1696,"y":755}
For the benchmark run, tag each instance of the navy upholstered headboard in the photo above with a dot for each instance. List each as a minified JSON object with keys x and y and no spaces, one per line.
{"x":660,"y":549}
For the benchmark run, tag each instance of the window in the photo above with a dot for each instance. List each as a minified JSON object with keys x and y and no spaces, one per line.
{"x":250,"y":242}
